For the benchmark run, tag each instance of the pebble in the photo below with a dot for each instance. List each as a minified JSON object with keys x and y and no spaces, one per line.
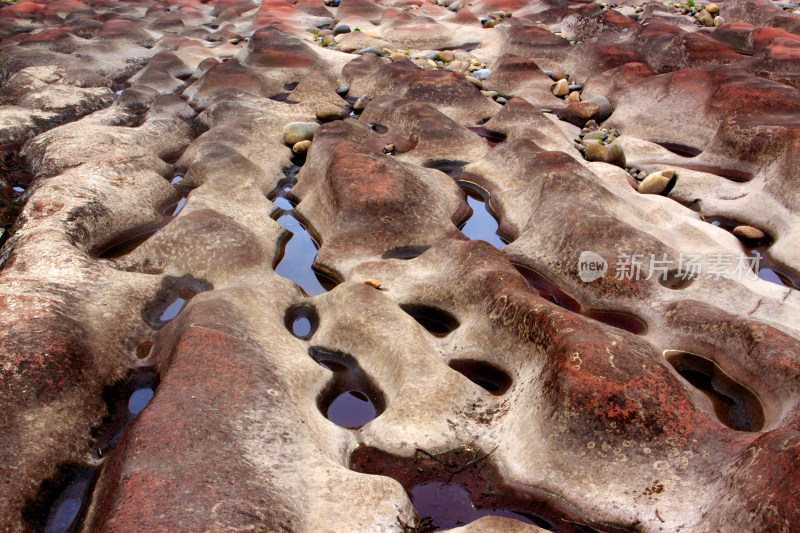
{"x":328,"y":40}
{"x":705,"y":18}
{"x":482,"y":74}
{"x":341,"y":28}
{"x":329,"y":113}
{"x":719,"y":21}
{"x":475,"y":81}
{"x":712,"y":8}
{"x":556,"y":75}
{"x":595,"y":151}
{"x":388,"y":148}
{"x":370,"y":50}
{"x":749,"y":234}
{"x":361,"y":103}
{"x":490,"y":94}
{"x":605,"y":107}
{"x":616,"y":156}
{"x":294,"y":132}
{"x":343,"y":90}
{"x":373,"y":283}
{"x":560,"y":88}
{"x":575,"y":87}
{"x":502,"y":101}
{"x":491,"y":23}
{"x":447,"y":56}
{"x":574,"y":96}
{"x":301,"y":147}
{"x":656,"y":182}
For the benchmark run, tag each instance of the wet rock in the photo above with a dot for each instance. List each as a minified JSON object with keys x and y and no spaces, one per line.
{"x":656,"y":182}
{"x":475,"y":81}
{"x":294,"y":132}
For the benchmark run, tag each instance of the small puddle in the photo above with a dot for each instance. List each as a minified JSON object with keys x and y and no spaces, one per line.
{"x":172,"y":299}
{"x":124,"y":401}
{"x":457,"y":487}
{"x":66,"y":512}
{"x":350,"y":399}
{"x":450,"y":506}
{"x":297,"y":257}
{"x":482,"y":224}
{"x":493,"y":138}
{"x":735,"y":405}
{"x":302,"y":320}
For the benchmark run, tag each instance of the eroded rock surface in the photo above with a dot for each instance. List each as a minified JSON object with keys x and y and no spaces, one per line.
{"x":369,"y":265}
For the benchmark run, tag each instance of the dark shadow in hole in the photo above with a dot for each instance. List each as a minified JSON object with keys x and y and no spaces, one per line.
{"x":456,"y":487}
{"x":144,"y":349}
{"x":405,"y":252}
{"x":682,"y":150}
{"x":436,"y":321}
{"x":450,"y":167}
{"x":61,"y":501}
{"x":124,"y":401}
{"x":618,"y":319}
{"x":485,"y":375}
{"x":172,"y":298}
{"x":548,"y":290}
{"x":126,"y":242}
{"x":492,"y":137}
{"x":552,"y":293}
{"x":302,"y":320}
{"x":732,"y":174}
{"x":350,"y":399}
{"x":735,"y":405}
{"x":677,"y":279}
{"x":379,"y":128}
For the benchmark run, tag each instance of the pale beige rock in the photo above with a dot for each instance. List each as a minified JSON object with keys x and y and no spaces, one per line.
{"x":656,"y":182}
{"x":560,"y":88}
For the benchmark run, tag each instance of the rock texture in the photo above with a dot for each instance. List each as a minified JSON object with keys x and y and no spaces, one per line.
{"x":372,"y":265}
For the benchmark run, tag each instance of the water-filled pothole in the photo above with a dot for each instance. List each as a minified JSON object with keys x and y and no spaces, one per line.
{"x":351,"y":399}
{"x":172,"y":298}
{"x":459,"y":486}
{"x":296,"y":259}
{"x":62,"y":500}
{"x":735,"y":405}
{"x":677,"y":279}
{"x":437,"y":321}
{"x":483,"y":374}
{"x":482,"y":223}
{"x":302,"y":320}
{"x":124,"y":401}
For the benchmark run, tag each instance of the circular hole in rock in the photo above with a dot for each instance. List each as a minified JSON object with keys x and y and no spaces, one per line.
{"x":735,"y":405}
{"x":143,"y":350}
{"x":436,"y":321}
{"x":485,"y":375}
{"x":379,"y":128}
{"x":302,"y":320}
{"x":677,"y":279}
